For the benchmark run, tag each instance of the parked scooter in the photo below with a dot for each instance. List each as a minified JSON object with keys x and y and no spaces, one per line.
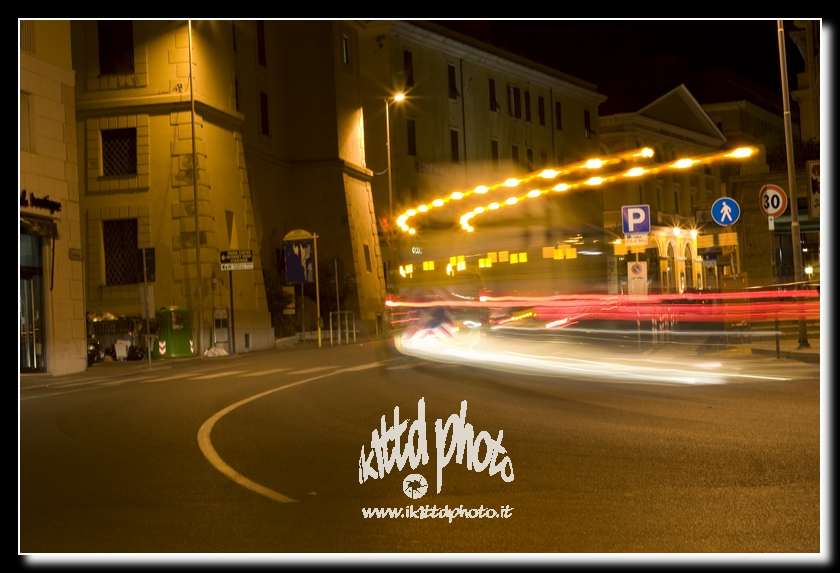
{"x":95,"y":352}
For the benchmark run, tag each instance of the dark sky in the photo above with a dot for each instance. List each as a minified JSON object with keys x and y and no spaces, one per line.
{"x":606,"y":52}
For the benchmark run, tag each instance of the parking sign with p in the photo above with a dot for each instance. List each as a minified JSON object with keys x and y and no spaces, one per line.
{"x":635,"y":219}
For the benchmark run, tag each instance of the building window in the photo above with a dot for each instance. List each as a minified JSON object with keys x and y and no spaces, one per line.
{"x":119,"y":151}
{"x":527,"y":106}
{"x":541,"y":109}
{"x":587,"y":124}
{"x":494,"y":104}
{"x":116,"y":47}
{"x":26,"y":115}
{"x":514,"y":154}
{"x":368,"y":265}
{"x":411,"y":134}
{"x":261,"y":42}
{"x":345,"y":50}
{"x":119,"y":239}
{"x":453,"y":144}
{"x":408,"y":67}
{"x":543,"y":159}
{"x":453,"y":85}
{"x":558,"y":111}
{"x":264,"y":113}
{"x":494,"y":154}
{"x":27,"y":36}
{"x":529,"y":158}
{"x":514,"y":102}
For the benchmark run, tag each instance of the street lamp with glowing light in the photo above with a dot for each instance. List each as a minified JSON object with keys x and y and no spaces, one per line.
{"x":388,"y":101}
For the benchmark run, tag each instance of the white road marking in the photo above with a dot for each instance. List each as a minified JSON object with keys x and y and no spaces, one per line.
{"x":405,"y":366}
{"x":217,"y":462}
{"x":311,"y":370}
{"x":176,"y":377}
{"x":265,"y":372}
{"x":219,"y":375}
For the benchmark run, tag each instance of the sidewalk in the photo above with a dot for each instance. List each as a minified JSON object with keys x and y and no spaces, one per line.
{"x":113,"y":369}
{"x":766,"y":346}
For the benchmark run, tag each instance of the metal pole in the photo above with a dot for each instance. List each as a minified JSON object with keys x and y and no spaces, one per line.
{"x":794,"y":209}
{"x":338,"y":305}
{"x":146,"y":310}
{"x":390,"y":237}
{"x":317,"y":296}
{"x":195,"y":200}
{"x":231,"y":327}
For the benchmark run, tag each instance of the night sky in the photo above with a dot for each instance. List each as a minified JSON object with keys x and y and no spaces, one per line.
{"x":612,"y":53}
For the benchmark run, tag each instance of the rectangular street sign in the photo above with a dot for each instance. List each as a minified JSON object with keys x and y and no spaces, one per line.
{"x":635,"y":219}
{"x":636,"y":240}
{"x":236,"y":260}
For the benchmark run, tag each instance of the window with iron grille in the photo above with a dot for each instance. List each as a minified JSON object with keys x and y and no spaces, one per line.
{"x":408,"y":66}
{"x":541,"y":109}
{"x":261,"y":42}
{"x":410,"y":131}
{"x":116,"y":46}
{"x":119,"y":151}
{"x":514,"y":154}
{"x":119,"y":237}
{"x":527,"y":106}
{"x":453,"y":87}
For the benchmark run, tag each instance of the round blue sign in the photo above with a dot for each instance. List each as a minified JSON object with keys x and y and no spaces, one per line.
{"x":725,"y":211}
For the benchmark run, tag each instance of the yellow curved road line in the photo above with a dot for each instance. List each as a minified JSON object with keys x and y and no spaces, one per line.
{"x":217,"y":462}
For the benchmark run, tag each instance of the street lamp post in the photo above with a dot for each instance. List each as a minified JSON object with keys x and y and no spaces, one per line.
{"x":388,"y":102}
{"x":794,"y":211}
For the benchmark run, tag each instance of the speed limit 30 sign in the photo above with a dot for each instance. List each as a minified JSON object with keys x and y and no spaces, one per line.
{"x":772,"y":200}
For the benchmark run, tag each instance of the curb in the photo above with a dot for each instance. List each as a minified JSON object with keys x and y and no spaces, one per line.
{"x":810,"y":357}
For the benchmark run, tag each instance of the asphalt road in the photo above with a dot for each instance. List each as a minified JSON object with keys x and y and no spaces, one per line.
{"x":260,"y":453}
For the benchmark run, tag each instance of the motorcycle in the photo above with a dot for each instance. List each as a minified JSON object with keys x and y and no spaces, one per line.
{"x":95,"y":352}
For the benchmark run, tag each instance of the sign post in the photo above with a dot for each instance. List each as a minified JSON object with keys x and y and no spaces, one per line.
{"x":813,"y":168}
{"x":772,"y":201}
{"x":301,"y":251}
{"x":242,"y":260}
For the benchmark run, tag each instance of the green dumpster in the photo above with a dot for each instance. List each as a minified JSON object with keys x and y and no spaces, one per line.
{"x":174,"y":336}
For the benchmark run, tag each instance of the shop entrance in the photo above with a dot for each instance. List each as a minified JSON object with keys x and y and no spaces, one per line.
{"x":31,"y":306}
